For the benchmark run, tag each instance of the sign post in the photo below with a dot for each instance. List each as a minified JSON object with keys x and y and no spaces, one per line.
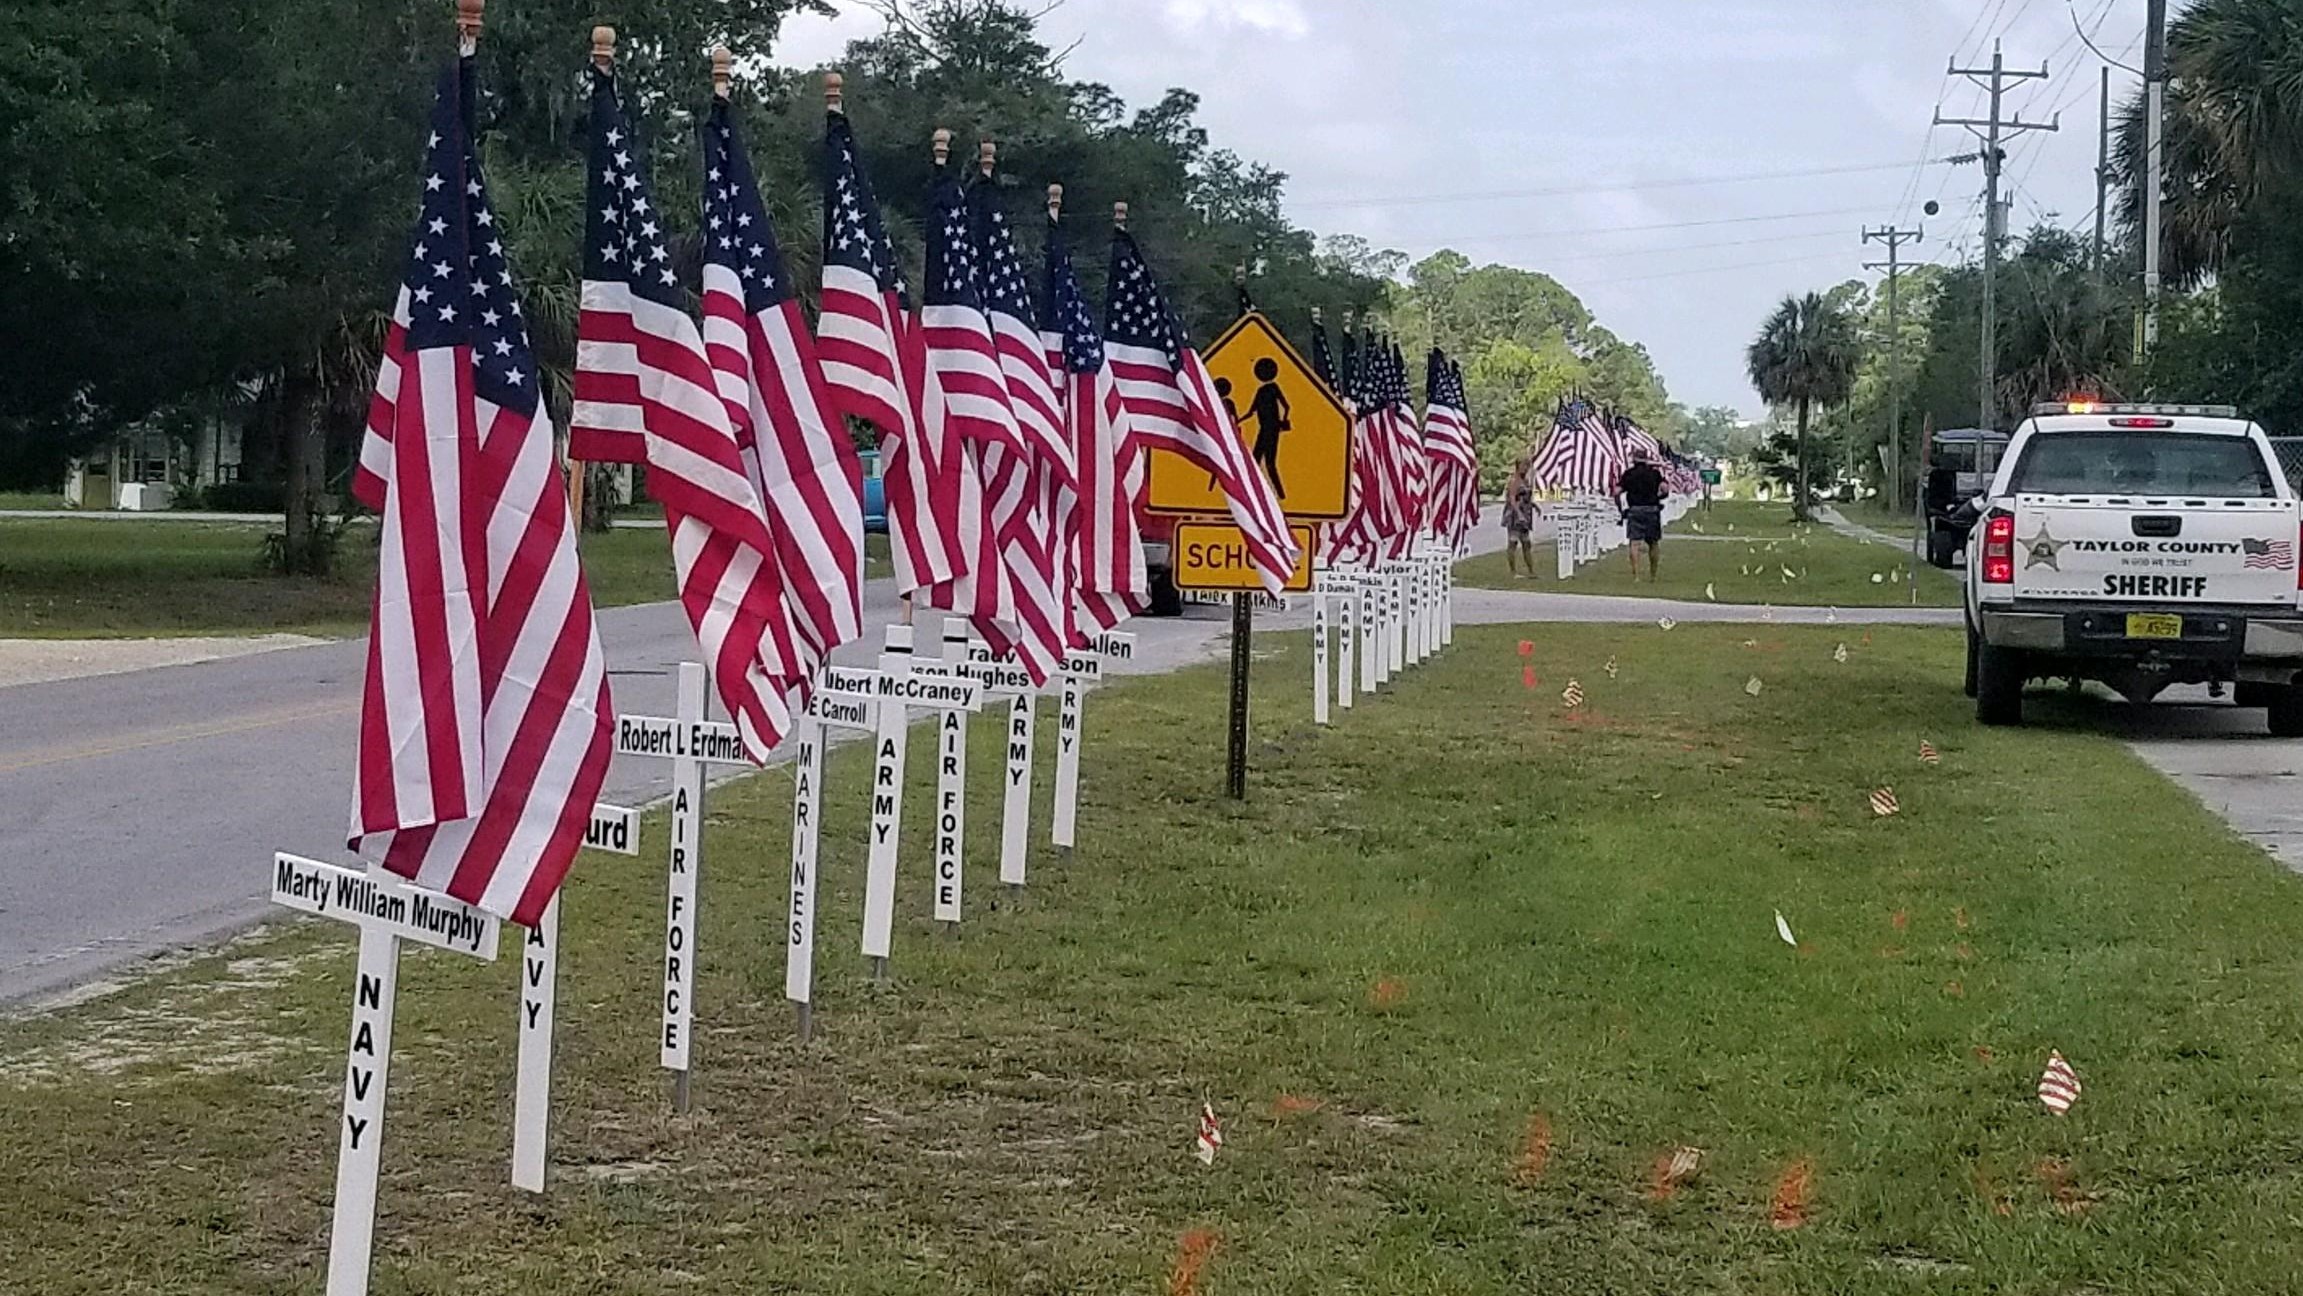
{"x":684,"y":862}
{"x":1080,"y":669}
{"x":1213,"y":556}
{"x":902,"y":687}
{"x":387,"y":911}
{"x":1346,"y":630}
{"x":690,"y":742}
{"x":1319,"y":671}
{"x":952,"y":787}
{"x":843,"y":699}
{"x":612,"y":828}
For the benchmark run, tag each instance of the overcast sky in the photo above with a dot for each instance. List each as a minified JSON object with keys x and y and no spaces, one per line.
{"x":1540,"y":133}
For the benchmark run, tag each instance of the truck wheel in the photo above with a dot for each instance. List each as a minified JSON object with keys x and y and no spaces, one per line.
{"x":2286,"y":712}
{"x":2249,"y":693}
{"x":1974,"y":644}
{"x":2000,"y":674}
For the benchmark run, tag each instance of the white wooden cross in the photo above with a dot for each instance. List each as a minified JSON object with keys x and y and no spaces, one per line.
{"x":387,"y":911}
{"x":901,"y":690}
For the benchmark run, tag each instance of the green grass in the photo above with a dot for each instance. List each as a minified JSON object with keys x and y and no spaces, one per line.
{"x":1458,"y":912}
{"x":29,"y":500}
{"x":1744,"y":566}
{"x":1875,"y":513}
{"x":104,"y":578}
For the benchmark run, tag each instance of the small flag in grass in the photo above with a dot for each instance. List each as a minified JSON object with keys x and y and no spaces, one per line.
{"x":1210,"y":1134}
{"x":2059,"y":1087}
{"x":1527,"y":676}
{"x":1527,"y":647}
{"x":1667,"y":624}
{"x":1883,"y":802}
{"x":1610,"y":668}
{"x":1783,"y":929}
{"x":1878,"y":579}
{"x":1753,"y":686}
{"x":1788,"y":574}
{"x":1572,"y":695}
{"x":1831,"y":616}
{"x":1711,"y":590}
{"x":1927,"y":753}
{"x":1839,"y":654}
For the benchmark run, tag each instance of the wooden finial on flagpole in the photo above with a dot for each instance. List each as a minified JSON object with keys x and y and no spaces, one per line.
{"x":835,"y":92}
{"x":987,"y":157}
{"x":1120,"y":215}
{"x":1055,"y":202}
{"x":604,"y":49}
{"x":468,"y":16}
{"x":723,"y":71}
{"x":943,"y":146}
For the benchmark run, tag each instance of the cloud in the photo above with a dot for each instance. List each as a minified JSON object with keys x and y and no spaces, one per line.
{"x":1278,"y":17}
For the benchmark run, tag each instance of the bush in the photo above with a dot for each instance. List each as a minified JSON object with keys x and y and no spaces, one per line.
{"x":245,"y":497}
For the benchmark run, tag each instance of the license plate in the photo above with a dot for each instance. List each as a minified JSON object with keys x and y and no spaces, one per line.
{"x":2153,"y":625}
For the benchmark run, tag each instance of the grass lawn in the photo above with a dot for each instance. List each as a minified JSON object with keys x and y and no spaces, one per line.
{"x":1829,"y":570}
{"x":105,"y":577}
{"x":29,"y":500}
{"x":1875,"y":514}
{"x":1459,"y":977}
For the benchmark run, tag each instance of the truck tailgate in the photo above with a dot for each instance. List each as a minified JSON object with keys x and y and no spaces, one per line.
{"x":2223,"y":551}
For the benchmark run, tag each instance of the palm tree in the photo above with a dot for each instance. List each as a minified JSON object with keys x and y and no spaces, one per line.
{"x":1805,"y":355}
{"x":2234,"y":128}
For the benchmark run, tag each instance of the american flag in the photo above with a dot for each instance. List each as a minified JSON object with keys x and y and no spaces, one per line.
{"x":1210,"y":1136}
{"x":640,"y":364}
{"x":1174,"y":406}
{"x":1322,"y":359}
{"x":1034,"y":497}
{"x":1883,"y":802}
{"x":1366,"y":533}
{"x":485,"y":725}
{"x":2059,"y":1084}
{"x":1106,"y":546}
{"x":796,"y":448}
{"x":1582,"y":455}
{"x":1407,"y":456}
{"x":876,"y":364}
{"x":1454,"y":466}
{"x":966,"y":365}
{"x":2268,"y":555}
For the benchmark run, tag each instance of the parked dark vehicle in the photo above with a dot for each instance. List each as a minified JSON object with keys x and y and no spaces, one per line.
{"x":1960,"y":464}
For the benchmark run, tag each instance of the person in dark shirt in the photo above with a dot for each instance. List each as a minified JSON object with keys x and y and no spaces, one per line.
{"x":1639,"y":493}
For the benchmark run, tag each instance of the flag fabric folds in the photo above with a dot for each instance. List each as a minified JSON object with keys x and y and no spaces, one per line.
{"x":965,"y":364}
{"x":1106,"y":543}
{"x":1453,"y":465}
{"x":795,"y":447}
{"x":640,"y":363}
{"x":1174,"y":405}
{"x":875,"y":364}
{"x":485,"y":723}
{"x":1031,"y":488}
{"x":1581,"y":455}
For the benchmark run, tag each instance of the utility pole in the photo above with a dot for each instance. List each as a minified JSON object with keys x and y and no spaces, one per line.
{"x":1894,"y":239}
{"x":1991,"y":131}
{"x":2102,"y":176}
{"x":2154,"y":160}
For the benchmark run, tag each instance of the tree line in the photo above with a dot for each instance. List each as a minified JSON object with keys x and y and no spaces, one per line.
{"x":208,"y":203}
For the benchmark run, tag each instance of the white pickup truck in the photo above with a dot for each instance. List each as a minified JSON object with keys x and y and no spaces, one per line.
{"x":2138,"y":546}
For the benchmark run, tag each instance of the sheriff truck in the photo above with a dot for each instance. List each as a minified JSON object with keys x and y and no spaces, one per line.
{"x":2138,"y":546}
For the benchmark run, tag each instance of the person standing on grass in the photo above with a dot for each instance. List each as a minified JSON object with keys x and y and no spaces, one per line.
{"x":1519,"y":519}
{"x":1639,"y":493}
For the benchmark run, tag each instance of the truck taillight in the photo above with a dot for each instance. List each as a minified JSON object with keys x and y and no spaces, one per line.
{"x":1999,"y":549}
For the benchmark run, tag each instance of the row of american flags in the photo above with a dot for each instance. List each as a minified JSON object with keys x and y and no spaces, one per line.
{"x":1587,"y":450}
{"x":1012,"y":432}
{"x":1410,"y":482}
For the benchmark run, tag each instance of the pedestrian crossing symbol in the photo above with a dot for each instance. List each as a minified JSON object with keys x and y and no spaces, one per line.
{"x":1295,"y":428}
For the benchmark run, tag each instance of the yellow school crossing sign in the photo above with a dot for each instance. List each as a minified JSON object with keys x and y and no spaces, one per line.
{"x":1295,"y":428}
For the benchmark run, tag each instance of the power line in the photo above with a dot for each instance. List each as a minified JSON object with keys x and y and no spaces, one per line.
{"x":1595,"y":230}
{"x":1704,"y":270}
{"x":1420,"y":200}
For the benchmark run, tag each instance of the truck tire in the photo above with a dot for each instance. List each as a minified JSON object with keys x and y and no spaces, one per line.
{"x":2000,"y":674}
{"x":2249,"y":693}
{"x":1974,"y":645}
{"x":2286,"y":711}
